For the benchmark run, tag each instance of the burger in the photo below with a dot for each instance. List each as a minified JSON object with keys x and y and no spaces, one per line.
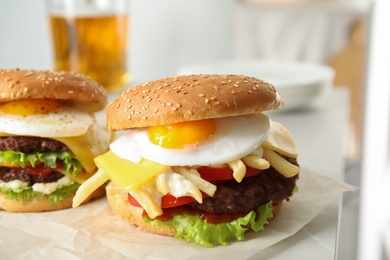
{"x":198,"y":159}
{"x":48,"y":138}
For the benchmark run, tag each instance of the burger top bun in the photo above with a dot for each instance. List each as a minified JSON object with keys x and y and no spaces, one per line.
{"x":36,"y":84}
{"x":190,"y":97}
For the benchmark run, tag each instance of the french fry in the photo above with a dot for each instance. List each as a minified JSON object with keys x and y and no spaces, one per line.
{"x":89,"y":186}
{"x":193,"y":176}
{"x":255,"y":161}
{"x":169,"y":181}
{"x":280,"y":164}
{"x":147,"y":202}
{"x":238,"y":168}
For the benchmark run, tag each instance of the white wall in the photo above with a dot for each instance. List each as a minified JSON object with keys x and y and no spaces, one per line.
{"x":24,"y":35}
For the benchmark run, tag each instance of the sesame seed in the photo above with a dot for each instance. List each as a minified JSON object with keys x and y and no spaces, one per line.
{"x":156,"y":110}
{"x":202,"y":95}
{"x":249,"y":91}
{"x":70,"y":92}
{"x":174,"y":108}
{"x":207,"y":101}
{"x":129,"y":117}
{"x":144,"y":117}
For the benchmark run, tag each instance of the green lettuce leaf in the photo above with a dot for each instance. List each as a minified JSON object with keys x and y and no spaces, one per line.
{"x":194,"y":229}
{"x":27,"y":193}
{"x":71,"y":164}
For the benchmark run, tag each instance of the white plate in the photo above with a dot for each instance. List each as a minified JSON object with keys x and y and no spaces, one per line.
{"x":299,"y":83}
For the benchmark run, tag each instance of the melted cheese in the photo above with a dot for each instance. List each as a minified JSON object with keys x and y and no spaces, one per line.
{"x":88,"y":146}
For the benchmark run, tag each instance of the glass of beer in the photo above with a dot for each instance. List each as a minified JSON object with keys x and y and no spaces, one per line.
{"x":91,"y":37}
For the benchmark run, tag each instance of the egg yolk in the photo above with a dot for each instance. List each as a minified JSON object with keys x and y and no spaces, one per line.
{"x":181,"y":134}
{"x":26,"y":107}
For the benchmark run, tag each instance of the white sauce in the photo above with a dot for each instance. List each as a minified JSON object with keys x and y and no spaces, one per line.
{"x":45,"y":188}
{"x":15,"y":184}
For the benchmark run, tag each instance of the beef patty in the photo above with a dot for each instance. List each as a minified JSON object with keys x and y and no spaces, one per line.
{"x":27,"y":144}
{"x":8,"y":174}
{"x":233,"y":197}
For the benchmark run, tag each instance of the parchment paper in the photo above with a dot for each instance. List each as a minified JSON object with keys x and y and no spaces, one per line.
{"x":93,"y":231}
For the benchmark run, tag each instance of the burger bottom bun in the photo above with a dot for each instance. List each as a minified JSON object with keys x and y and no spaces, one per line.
{"x":118,"y":201}
{"x":39,"y":205}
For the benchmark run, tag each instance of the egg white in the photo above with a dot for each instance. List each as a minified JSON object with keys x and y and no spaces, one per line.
{"x":63,"y":122}
{"x":235,"y":137}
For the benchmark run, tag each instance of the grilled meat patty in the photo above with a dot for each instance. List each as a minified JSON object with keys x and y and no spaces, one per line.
{"x":233,"y":197}
{"x":27,"y":144}
{"x":8,"y":174}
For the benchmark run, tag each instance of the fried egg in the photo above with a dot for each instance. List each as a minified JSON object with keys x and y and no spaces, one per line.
{"x":43,"y":118}
{"x":224,"y":140}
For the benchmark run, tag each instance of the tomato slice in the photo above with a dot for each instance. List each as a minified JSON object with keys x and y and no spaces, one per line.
{"x":167,"y":201}
{"x":223,"y":173}
{"x":133,"y":201}
{"x":41,"y":170}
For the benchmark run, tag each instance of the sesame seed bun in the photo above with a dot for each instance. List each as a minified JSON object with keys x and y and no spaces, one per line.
{"x":39,"y":205}
{"x":117,"y":199}
{"x":46,"y":84}
{"x":190,"y":97}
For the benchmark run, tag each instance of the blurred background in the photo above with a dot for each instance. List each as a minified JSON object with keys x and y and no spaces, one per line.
{"x":166,"y":36}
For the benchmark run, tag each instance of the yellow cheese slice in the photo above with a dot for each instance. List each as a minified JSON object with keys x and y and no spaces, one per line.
{"x":126,"y":173}
{"x":280,"y":140}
